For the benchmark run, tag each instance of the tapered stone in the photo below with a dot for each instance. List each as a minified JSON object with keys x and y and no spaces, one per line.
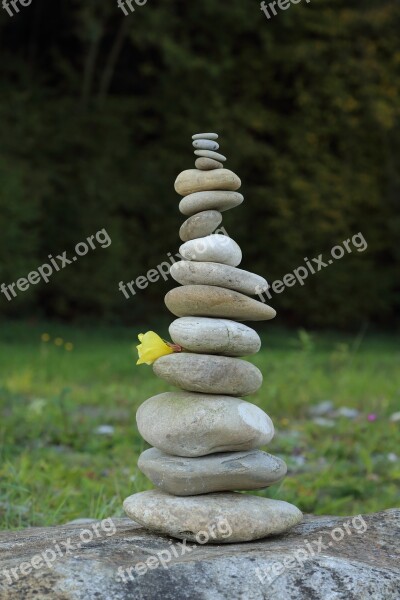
{"x":200,"y":225}
{"x":212,"y":200}
{"x":194,"y":180}
{"x":209,"y":374}
{"x":188,"y":272}
{"x":205,"y":136}
{"x":214,"y":248}
{"x":213,"y":301}
{"x":225,"y":471}
{"x":190,"y":424}
{"x":207,"y":164}
{"x":215,"y":518}
{"x":211,"y":154}
{"x":214,"y":336}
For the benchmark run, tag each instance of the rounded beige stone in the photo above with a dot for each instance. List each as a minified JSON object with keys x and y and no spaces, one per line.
{"x":194,"y":180}
{"x":216,"y":518}
{"x":190,"y":424}
{"x":209,"y":374}
{"x":213,"y":301}
{"x":200,"y":225}
{"x":207,"y":164}
{"x":212,"y":248}
{"x":209,"y":273}
{"x":215,"y":200}
{"x":225,"y":471}
{"x":214,"y":336}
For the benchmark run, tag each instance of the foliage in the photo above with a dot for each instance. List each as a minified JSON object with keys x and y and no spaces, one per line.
{"x":97,"y":110}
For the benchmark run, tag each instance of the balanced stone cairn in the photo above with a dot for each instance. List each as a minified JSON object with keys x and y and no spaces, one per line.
{"x":205,"y":438}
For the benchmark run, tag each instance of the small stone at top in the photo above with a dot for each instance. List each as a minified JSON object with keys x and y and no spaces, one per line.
{"x":205,"y":136}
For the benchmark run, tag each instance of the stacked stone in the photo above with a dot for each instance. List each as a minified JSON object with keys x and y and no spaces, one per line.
{"x":205,"y":438}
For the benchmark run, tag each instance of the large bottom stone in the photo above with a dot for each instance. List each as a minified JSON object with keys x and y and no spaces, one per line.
{"x":221,"y":472}
{"x":215,"y":518}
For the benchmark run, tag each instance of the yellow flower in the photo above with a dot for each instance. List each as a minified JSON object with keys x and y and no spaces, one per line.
{"x":69,"y":347}
{"x":58,"y":341}
{"x":152,"y":347}
{"x":45,"y":337}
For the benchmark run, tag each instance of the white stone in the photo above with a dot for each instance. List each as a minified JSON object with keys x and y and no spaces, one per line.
{"x":212,"y":248}
{"x":212,"y":200}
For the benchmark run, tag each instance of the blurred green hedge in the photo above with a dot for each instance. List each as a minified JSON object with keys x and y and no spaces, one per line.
{"x":97,"y":113}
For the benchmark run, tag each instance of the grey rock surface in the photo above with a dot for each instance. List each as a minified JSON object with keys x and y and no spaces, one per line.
{"x":205,"y":136}
{"x":206,"y":164}
{"x":208,"y":273}
{"x":194,"y":180}
{"x":213,"y":301}
{"x":214,"y":336}
{"x":203,"y":144}
{"x":212,"y":248}
{"x":212,"y":200}
{"x":211,"y":154}
{"x":232,"y":517}
{"x":199,"y":225}
{"x":191,"y":424}
{"x":209,"y":374}
{"x":362,"y":566}
{"x":224,"y":471}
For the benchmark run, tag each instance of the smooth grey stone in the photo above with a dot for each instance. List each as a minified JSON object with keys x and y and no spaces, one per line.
{"x":190,"y":424}
{"x":213,"y":301}
{"x":210,"y":200}
{"x":194,"y":180}
{"x":188,"y":272}
{"x":209,"y":374}
{"x":200,"y":225}
{"x":205,"y":136}
{"x":207,"y":164}
{"x":205,"y":145}
{"x":210,"y":154}
{"x":245,"y":517}
{"x":214,"y":336}
{"x":212,"y":248}
{"x":222,"y":472}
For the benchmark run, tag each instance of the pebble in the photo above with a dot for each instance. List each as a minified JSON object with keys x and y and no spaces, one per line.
{"x":211,"y":154}
{"x":190,"y":424}
{"x":216,"y":518}
{"x":188,"y":272}
{"x":205,"y":136}
{"x":199,"y":225}
{"x":214,"y":336}
{"x":213,"y":248}
{"x":209,"y":374}
{"x":210,"y":200}
{"x":225,"y":471}
{"x":213,"y":301}
{"x":394,"y":417}
{"x":206,"y":164}
{"x":193,"y":180}
{"x":205,"y":144}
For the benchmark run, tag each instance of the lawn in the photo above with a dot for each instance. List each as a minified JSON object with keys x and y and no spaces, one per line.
{"x":69,"y":444}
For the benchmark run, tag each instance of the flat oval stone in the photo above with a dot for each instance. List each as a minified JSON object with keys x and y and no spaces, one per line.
{"x":190,"y":424}
{"x":211,"y":154}
{"x":202,"y":144}
{"x":206,"y":164}
{"x":188,"y":272}
{"x":193,"y":180}
{"x":225,"y":471}
{"x":216,"y":518}
{"x":209,"y":374}
{"x":211,"y":200}
{"x":214,"y":336}
{"x":200,"y":225}
{"x":214,"y":248}
{"x":213,"y":301}
{"x":205,"y":136}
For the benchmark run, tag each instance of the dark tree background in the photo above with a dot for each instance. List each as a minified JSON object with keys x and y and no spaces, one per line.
{"x":97,"y":112}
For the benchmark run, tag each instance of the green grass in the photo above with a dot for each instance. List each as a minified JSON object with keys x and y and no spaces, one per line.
{"x":54,"y":467}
